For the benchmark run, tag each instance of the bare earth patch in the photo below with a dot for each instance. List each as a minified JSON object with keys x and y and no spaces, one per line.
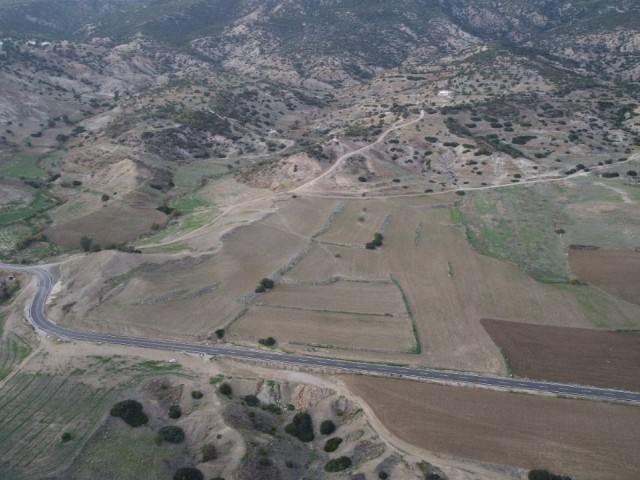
{"x":615,"y":272}
{"x":569,"y":355}
{"x":585,"y":440}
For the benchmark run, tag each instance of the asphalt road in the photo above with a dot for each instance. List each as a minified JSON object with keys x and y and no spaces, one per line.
{"x":40,"y":320}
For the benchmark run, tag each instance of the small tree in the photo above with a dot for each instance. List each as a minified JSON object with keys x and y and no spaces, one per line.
{"x":220,"y":333}
{"x":175,"y":411}
{"x":337,"y":464}
{"x":171,"y":434}
{"x":225,"y":389}
{"x":267,"y":342}
{"x":327,"y":427}
{"x":66,"y":437}
{"x":267,"y":283}
{"x":332,"y":444}
{"x":209,"y":452}
{"x":85,"y":243}
{"x":131,"y":412}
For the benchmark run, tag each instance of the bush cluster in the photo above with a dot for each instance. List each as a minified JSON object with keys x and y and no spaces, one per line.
{"x":264,"y":285}
{"x":337,"y":464}
{"x":546,"y":475}
{"x":171,"y":434}
{"x":332,"y":444}
{"x":188,"y":473}
{"x":377,"y":242}
{"x":327,"y":427}
{"x":131,"y":412}
{"x":301,"y":427}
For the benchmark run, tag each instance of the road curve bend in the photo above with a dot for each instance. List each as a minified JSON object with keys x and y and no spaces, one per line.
{"x":38,"y":317}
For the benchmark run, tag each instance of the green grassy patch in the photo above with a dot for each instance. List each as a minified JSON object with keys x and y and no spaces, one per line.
{"x":189,"y":204}
{"x":40,"y":203}
{"x":518,"y":225}
{"x":23,"y":164}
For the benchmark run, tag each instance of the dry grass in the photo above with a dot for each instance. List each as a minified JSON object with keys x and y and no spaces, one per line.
{"x":326,"y":261}
{"x":586,"y":440}
{"x":616,"y":272}
{"x":357,"y":223}
{"x":327,"y":329}
{"x":352,"y":297}
{"x":569,"y":355}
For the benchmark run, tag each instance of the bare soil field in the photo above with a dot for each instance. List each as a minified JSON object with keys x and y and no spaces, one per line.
{"x":615,"y":272}
{"x":345,"y":296}
{"x":569,"y":355}
{"x":585,"y":440}
{"x":375,"y":333}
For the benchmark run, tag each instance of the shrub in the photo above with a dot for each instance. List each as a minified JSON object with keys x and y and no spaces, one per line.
{"x":131,"y":412}
{"x":197,"y":394}
{"x":545,"y":475}
{"x":171,"y":434}
{"x":383,"y":475}
{"x":337,"y":464}
{"x":175,"y":411}
{"x":362,"y":179}
{"x":251,"y":400}
{"x":632,"y":173}
{"x":327,"y":427}
{"x":188,"y":473}
{"x":105,"y":197}
{"x":220,"y":333}
{"x":267,"y":342}
{"x":301,"y":427}
{"x":260,"y":289}
{"x":267,"y":283}
{"x":225,"y":389}
{"x":610,"y":175}
{"x":85,"y":243}
{"x":66,"y":437}
{"x":209,"y":452}
{"x":332,"y":444}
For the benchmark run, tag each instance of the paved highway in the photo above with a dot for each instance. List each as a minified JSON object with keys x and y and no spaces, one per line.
{"x":40,"y":320}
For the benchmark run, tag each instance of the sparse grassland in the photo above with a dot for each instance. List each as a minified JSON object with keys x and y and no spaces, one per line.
{"x":517,"y":225}
{"x":578,"y":438}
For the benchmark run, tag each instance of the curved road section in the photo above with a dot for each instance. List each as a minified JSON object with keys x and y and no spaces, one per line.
{"x":38,"y":317}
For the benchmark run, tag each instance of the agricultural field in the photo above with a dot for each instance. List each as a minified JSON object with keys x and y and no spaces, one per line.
{"x":585,"y":440}
{"x":569,"y":355}
{"x":13,"y":350}
{"x":368,"y":298}
{"x":23,"y":164}
{"x":327,"y":330}
{"x":37,"y":409}
{"x":615,"y":272}
{"x":356,"y":224}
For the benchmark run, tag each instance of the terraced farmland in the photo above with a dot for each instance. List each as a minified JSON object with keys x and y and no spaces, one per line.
{"x":37,"y":409}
